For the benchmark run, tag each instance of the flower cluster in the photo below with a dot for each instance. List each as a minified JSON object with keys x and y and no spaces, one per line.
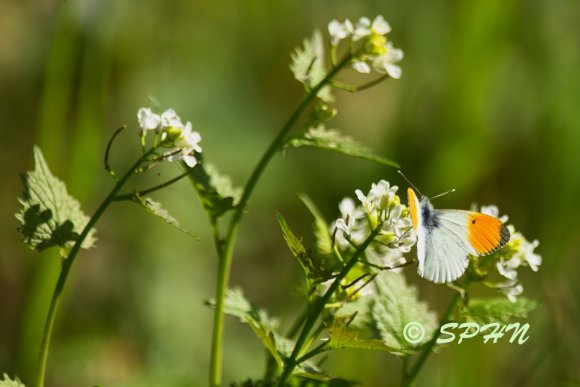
{"x":375,"y":51}
{"x":381,"y":207}
{"x":181,"y":139}
{"x":518,"y":252}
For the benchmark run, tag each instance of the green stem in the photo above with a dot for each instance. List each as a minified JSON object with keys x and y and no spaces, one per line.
{"x":319,"y":305}
{"x":225,"y":255}
{"x":410,"y":379}
{"x":131,"y":196}
{"x":65,"y":269}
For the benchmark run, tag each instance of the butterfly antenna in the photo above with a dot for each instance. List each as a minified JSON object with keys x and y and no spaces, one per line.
{"x":443,"y":194}
{"x":409,"y":181}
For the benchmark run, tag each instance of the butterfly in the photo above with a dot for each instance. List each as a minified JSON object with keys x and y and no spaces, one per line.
{"x":446,"y":237}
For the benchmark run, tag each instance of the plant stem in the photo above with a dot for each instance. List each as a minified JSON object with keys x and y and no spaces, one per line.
{"x":225,"y":255}
{"x":131,"y":196}
{"x":65,"y":269}
{"x":319,"y":305}
{"x":410,"y":379}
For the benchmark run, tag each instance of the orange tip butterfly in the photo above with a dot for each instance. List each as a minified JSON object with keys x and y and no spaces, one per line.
{"x":446,"y":237}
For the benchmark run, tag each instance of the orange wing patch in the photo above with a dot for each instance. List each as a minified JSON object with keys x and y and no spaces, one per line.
{"x":412,"y":199}
{"x":485,"y":233}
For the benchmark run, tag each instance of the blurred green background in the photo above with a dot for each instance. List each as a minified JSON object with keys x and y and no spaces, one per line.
{"x":488,"y":104}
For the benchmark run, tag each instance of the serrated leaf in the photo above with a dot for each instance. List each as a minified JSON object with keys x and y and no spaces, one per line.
{"x":334,"y":140}
{"x":321,"y":228}
{"x":308,"y":65}
{"x":7,"y":382}
{"x":155,"y":208}
{"x":216,"y":191}
{"x":315,"y":272}
{"x":280,"y":347}
{"x":382,"y":315}
{"x":49,"y":215}
{"x":341,"y":337}
{"x":396,"y":305}
{"x":501,"y":310}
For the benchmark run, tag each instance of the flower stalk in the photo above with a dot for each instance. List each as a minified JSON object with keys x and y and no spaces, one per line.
{"x":67,"y":265}
{"x":225,"y":254}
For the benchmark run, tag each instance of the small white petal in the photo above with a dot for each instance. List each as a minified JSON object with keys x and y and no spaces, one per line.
{"x":361,"y":67}
{"x":394,"y":71}
{"x":380,"y":25}
{"x":190,"y":160}
{"x":362,"y":29}
{"x":339,"y":31}
{"x":346,"y":207}
{"x":504,"y":270}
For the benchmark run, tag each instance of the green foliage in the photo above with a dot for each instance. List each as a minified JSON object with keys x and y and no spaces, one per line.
{"x":49,"y":215}
{"x":321,"y":228}
{"x":236,"y":304}
{"x":308,"y":65}
{"x":313,"y":268}
{"x":216,"y":192}
{"x":499,"y":310}
{"x":7,"y":382}
{"x":280,"y":347}
{"x":155,"y":208}
{"x":386,"y":312}
{"x":341,"y":337}
{"x":333,"y":140}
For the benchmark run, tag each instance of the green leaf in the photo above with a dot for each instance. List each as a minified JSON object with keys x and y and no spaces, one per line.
{"x":321,"y":228}
{"x":280,"y":347}
{"x":333,"y":140}
{"x":7,"y":382}
{"x":49,"y":215}
{"x":308,"y":65}
{"x":155,"y":208}
{"x":501,"y":310}
{"x":216,"y":192}
{"x":315,"y":271}
{"x":340,"y":337}
{"x":383,"y":315}
{"x":236,"y":304}
{"x":396,"y":305}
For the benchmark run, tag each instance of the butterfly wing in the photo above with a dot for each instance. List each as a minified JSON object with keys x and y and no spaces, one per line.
{"x":484,"y":233}
{"x":455,"y":234}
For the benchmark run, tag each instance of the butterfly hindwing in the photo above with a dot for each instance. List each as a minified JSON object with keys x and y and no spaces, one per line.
{"x":446,"y":248}
{"x":457,"y":233}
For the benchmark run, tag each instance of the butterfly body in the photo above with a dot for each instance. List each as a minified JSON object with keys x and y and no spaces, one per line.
{"x":446,"y":237}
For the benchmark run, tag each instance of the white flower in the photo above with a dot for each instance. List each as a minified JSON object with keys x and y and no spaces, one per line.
{"x":381,"y":206}
{"x":189,"y":139}
{"x":187,"y":143}
{"x":382,"y":194}
{"x":508,"y":268}
{"x":386,"y":63}
{"x":339,"y":31}
{"x":147,"y":119}
{"x":379,"y":197}
{"x":170,"y":118}
{"x":511,"y":289}
{"x":348,"y":211}
{"x":366,"y":201}
{"x":527,"y":252}
{"x":364,"y":27}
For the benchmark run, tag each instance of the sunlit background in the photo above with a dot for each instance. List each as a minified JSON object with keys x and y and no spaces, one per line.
{"x":488,"y":105}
